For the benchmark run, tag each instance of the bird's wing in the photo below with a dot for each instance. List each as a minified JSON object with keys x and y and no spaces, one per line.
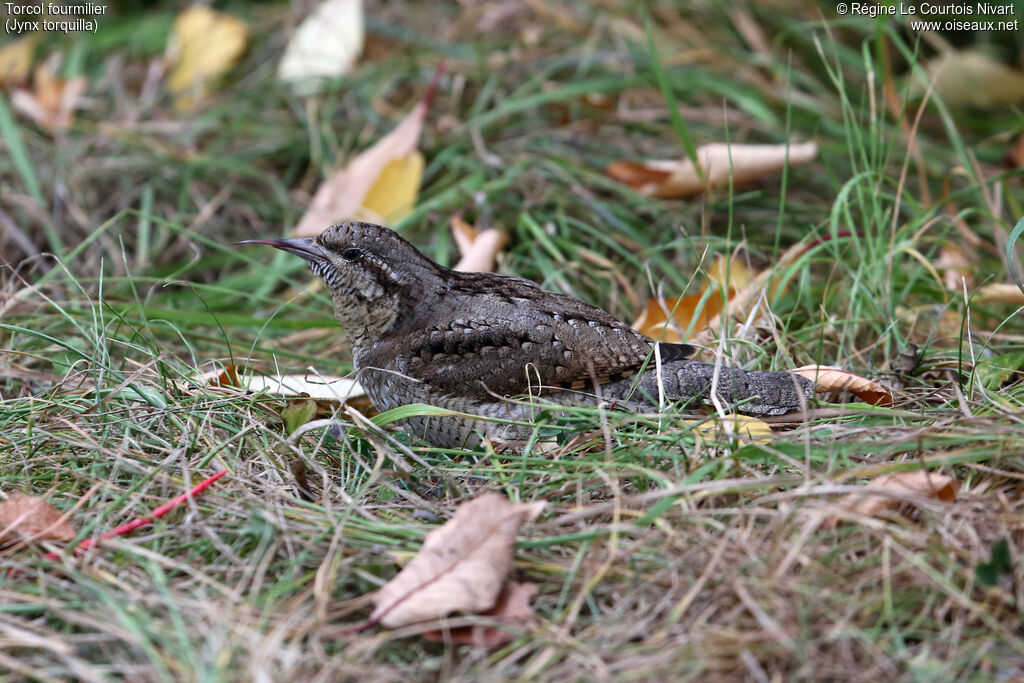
{"x":526,"y":343}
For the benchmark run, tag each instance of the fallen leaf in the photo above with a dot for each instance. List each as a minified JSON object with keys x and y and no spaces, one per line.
{"x":326,"y":44}
{"x":16,"y":60}
{"x":955,"y":263}
{"x":479,"y":249}
{"x":730,"y":273}
{"x":51,"y":101}
{"x":907,"y":360}
{"x":393,"y":195}
{"x":203,"y":45}
{"x":741,"y":303}
{"x":655,"y":323}
{"x":228,"y":377}
{"x":827,"y":380}
{"x":297,"y":413}
{"x":321,"y":387}
{"x":1014,"y":157}
{"x":746,"y":426}
{"x":380,"y":184}
{"x":972,"y":79}
{"x":512,"y":610}
{"x":718,"y":161}
{"x":32,"y":518}
{"x":885,"y":492}
{"x":309,"y":385}
{"x":999,"y":293}
{"x":461,"y":565}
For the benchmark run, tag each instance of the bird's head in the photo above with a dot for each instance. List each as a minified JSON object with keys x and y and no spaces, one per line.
{"x":368,"y":269}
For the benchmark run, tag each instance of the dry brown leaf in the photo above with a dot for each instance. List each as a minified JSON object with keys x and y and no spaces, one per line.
{"x":654,"y":319}
{"x":51,"y":101}
{"x":955,"y":263}
{"x":16,"y":60}
{"x":885,"y":492}
{"x":742,"y":301}
{"x":32,"y":518}
{"x":479,"y":249}
{"x":723,"y":272}
{"x":512,"y":610}
{"x":1000,"y":293}
{"x":461,"y":565}
{"x":827,"y":380}
{"x":228,"y":377}
{"x":719,"y":162}
{"x":381,"y":184}
{"x":203,"y":45}
{"x":1014,"y":157}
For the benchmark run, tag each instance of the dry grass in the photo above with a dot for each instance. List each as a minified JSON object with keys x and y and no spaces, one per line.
{"x":665,"y":553}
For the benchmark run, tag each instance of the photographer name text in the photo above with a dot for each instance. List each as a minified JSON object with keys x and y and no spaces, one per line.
{"x":966,"y":17}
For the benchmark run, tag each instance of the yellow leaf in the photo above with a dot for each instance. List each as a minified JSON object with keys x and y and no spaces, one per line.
{"x":745,"y":426}
{"x":968,"y":78}
{"x":203,"y":45}
{"x":346,"y":193}
{"x":393,"y":194}
{"x":685,"y":317}
{"x":730,"y":272}
{"x":16,"y":60}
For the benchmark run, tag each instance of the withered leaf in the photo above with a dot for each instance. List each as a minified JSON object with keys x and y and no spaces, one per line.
{"x":655,"y":323}
{"x":512,"y":610}
{"x":918,"y":483}
{"x":828,"y":379}
{"x":719,"y":163}
{"x":51,"y":101}
{"x":1000,"y":293}
{"x":971,"y":78}
{"x":724,"y":274}
{"x":16,"y":59}
{"x":380,"y":184}
{"x":461,"y":565}
{"x":479,"y":248}
{"x":34,"y":518}
{"x":202,"y":46}
{"x":325,"y":45}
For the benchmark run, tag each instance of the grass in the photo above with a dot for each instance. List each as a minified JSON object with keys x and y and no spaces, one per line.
{"x":666,"y":551}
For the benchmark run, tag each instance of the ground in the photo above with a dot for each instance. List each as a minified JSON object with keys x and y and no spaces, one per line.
{"x":669,"y":548}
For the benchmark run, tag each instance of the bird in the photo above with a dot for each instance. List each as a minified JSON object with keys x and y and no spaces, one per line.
{"x":484,"y":345}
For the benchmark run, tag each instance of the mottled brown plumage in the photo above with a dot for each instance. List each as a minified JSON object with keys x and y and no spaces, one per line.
{"x":422,"y":333}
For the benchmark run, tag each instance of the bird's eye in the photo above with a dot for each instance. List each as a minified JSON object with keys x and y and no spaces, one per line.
{"x":352,"y":253}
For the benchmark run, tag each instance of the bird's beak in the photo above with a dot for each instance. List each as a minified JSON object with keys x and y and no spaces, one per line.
{"x":306,"y":247}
